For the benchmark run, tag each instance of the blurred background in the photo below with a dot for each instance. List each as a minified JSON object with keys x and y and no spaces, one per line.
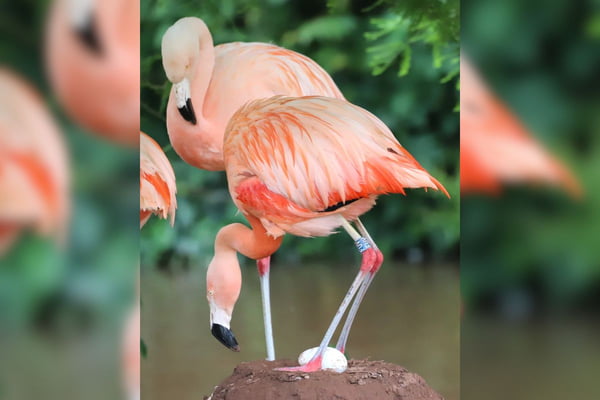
{"x":530,"y":261}
{"x":398,"y":60}
{"x":63,"y":304}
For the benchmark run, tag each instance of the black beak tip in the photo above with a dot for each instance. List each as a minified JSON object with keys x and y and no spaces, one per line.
{"x":88,"y":35}
{"x":225,"y":336}
{"x":187,"y":112}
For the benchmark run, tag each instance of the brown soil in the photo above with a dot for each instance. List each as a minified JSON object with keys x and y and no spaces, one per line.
{"x":363,"y":379}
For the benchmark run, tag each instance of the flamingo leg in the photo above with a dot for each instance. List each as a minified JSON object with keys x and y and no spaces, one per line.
{"x":263,"y":266}
{"x":369,"y":258}
{"x":341,"y":344}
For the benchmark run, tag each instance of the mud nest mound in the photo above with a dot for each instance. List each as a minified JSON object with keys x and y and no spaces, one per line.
{"x":363,"y":379}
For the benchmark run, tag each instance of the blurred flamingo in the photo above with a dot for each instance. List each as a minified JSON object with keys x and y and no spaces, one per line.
{"x":157,"y":182}
{"x":304,"y":166}
{"x":210,"y":83}
{"x":496,"y":148}
{"x":93,"y":60}
{"x":131,"y":352}
{"x":34,"y":171}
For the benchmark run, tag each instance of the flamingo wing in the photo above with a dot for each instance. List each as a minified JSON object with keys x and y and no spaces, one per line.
{"x":157,"y":182}
{"x":317,"y":153}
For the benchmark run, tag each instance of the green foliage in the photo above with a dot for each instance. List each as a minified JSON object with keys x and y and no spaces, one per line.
{"x":433,"y":24}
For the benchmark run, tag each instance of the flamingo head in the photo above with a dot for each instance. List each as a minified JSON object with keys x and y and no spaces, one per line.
{"x":223,"y":285}
{"x":180,"y":50}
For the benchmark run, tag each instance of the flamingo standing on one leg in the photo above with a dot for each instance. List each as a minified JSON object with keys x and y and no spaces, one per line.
{"x":34,"y":170}
{"x":157,"y":182}
{"x":210,"y":83}
{"x":93,"y":59}
{"x":304,"y":166}
{"x":495,"y":147}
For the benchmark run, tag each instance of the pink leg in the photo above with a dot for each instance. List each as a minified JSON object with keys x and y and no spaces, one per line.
{"x":263,"y":266}
{"x":341,"y":344}
{"x":369,"y":257}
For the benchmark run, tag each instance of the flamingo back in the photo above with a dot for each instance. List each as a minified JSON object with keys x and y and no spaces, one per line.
{"x":248,"y":71}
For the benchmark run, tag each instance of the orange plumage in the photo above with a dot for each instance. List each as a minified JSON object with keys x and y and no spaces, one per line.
{"x":34,"y":174}
{"x":289,"y":160}
{"x":157,"y":182}
{"x":495,"y":147}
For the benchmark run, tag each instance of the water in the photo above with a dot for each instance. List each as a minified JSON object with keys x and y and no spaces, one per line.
{"x":548,"y":358}
{"x":410,"y":317}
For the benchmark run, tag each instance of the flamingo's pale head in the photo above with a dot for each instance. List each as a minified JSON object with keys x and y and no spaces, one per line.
{"x":181,"y":47}
{"x":223,"y":285}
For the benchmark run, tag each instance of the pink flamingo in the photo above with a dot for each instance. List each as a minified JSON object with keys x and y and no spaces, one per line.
{"x":34,"y":170}
{"x":130,"y":352}
{"x":210,"y":83}
{"x":304,"y":166}
{"x":157,"y":182}
{"x":496,"y":148}
{"x":93,"y":61}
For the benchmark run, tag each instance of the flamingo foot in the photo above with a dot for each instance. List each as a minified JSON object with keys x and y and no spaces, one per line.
{"x":311,"y":366}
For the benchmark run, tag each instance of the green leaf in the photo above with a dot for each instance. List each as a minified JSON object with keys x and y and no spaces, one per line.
{"x":143,"y":348}
{"x":405,"y":64}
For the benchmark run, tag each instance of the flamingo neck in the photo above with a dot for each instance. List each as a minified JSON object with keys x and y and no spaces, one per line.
{"x":223,"y":277}
{"x":253,"y":243}
{"x":202,"y":75}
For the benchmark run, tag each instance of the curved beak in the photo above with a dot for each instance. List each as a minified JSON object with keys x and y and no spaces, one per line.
{"x":219,"y":326}
{"x":183,"y":100}
{"x":225,"y":336}
{"x":83,"y":21}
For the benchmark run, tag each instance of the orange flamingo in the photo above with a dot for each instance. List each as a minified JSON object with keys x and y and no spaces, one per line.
{"x":157,"y":182}
{"x":34,"y":171}
{"x":210,"y":83}
{"x":304,"y":166}
{"x":92,"y":55}
{"x":496,"y":148}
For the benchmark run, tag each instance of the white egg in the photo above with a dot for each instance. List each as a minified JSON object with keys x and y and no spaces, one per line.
{"x":333,"y":359}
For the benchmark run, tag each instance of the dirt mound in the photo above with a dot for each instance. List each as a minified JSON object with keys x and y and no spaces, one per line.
{"x":363,"y":379}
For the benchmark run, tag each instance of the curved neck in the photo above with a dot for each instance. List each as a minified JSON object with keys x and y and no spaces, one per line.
{"x":223,"y":277}
{"x":253,"y":243}
{"x":204,"y":65}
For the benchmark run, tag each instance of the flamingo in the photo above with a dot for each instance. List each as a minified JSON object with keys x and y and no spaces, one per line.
{"x":130,"y":352}
{"x":304,"y":166}
{"x":210,"y":83}
{"x":93,"y":64}
{"x":34,"y":170}
{"x":496,"y":148}
{"x":157,"y":182}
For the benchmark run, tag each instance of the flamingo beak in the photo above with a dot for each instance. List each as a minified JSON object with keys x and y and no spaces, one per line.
{"x":219,"y":326}
{"x":183,"y":100}
{"x":83,"y":21}
{"x":225,"y":336}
